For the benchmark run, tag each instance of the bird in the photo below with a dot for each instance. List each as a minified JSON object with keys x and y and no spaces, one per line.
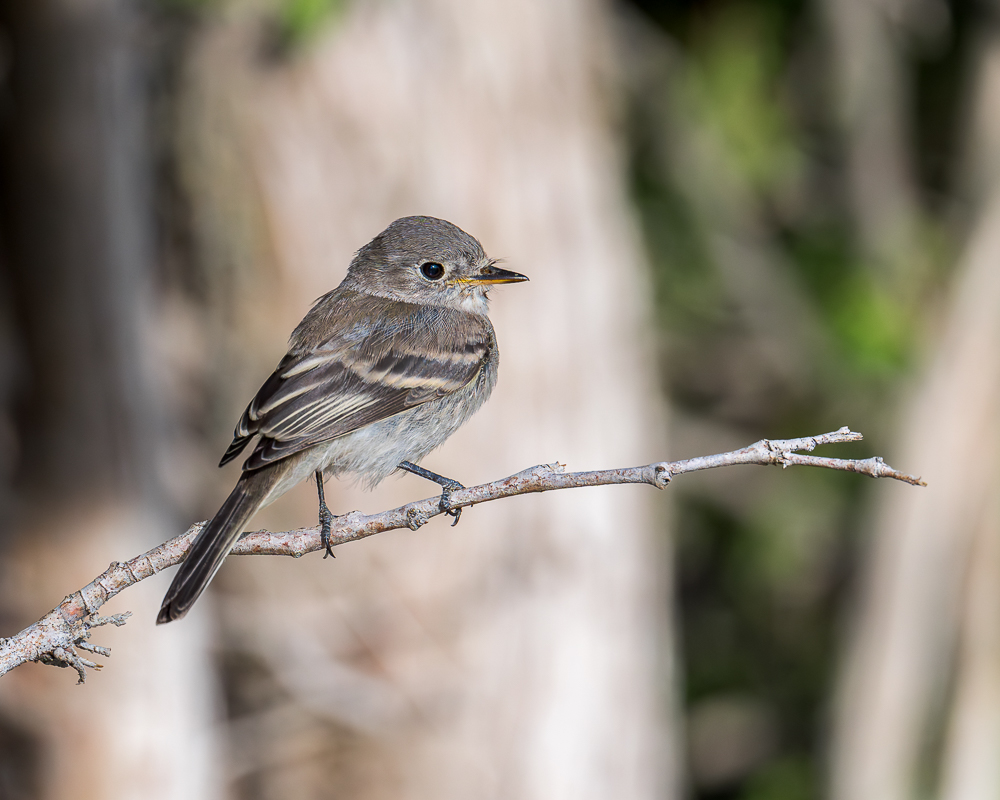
{"x":380,"y":372}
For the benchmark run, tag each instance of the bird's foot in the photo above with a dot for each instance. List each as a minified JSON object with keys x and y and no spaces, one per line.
{"x":447,"y":487}
{"x":326,"y":524}
{"x":325,"y":517}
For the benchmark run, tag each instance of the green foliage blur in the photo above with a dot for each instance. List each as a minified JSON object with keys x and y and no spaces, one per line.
{"x":299,"y":20}
{"x":777,"y":319}
{"x":294,"y":24}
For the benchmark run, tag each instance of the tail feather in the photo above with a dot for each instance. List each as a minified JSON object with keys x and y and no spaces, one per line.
{"x":216,"y":540}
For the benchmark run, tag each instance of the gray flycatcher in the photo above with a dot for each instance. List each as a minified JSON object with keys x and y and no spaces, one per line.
{"x":381,"y":371}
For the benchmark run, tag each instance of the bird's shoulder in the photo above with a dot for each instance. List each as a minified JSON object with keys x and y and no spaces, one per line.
{"x":360,"y":324}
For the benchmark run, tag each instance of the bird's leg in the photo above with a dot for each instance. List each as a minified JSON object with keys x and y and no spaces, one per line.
{"x":325,"y":517}
{"x":447,"y":487}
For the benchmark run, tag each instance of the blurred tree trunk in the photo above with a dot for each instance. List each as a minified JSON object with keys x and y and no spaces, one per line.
{"x":970,"y":770}
{"x":934,"y":567}
{"x":525,"y":653}
{"x":872,"y":101}
{"x":89,"y":424}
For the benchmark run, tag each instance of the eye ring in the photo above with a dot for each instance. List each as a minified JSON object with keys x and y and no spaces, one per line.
{"x":432,"y":270}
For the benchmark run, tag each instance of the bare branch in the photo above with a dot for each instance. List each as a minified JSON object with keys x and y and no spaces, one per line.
{"x":56,"y":637}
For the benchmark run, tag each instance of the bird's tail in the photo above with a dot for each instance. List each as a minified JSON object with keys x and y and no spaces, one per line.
{"x":216,"y":540}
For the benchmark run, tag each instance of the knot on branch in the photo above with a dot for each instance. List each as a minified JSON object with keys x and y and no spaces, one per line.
{"x":661,"y":475}
{"x":415,"y":519}
{"x":779,"y":452}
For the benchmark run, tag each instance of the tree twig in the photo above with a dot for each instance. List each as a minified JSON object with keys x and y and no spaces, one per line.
{"x":58,"y":637}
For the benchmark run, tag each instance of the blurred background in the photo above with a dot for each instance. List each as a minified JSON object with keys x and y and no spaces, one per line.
{"x":740,"y":219}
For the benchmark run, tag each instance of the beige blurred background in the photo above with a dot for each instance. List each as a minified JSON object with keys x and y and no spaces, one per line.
{"x":740,"y":219}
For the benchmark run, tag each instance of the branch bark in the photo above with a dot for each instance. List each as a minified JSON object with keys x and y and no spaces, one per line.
{"x":58,"y":636}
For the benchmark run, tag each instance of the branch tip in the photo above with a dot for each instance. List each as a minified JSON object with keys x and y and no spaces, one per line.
{"x":115,"y":619}
{"x":94,"y":648}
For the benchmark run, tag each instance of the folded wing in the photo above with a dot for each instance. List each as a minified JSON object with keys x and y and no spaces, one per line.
{"x":390,"y":359}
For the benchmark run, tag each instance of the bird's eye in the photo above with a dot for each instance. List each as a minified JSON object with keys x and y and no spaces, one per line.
{"x":432,"y":270}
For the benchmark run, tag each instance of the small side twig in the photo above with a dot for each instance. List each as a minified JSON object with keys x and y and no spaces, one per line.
{"x":58,"y":636}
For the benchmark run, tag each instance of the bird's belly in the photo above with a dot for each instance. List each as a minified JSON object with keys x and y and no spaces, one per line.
{"x":373,"y":452}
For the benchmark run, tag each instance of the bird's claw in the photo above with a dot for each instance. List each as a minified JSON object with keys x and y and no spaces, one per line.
{"x":445,"y":503}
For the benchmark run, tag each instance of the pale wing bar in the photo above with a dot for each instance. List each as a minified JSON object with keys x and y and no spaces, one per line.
{"x":325,"y":395}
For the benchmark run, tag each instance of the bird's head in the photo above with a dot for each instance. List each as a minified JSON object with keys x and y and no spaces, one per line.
{"x":428,"y":261}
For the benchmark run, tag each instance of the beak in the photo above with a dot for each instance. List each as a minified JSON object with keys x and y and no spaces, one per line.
{"x":493,"y":274}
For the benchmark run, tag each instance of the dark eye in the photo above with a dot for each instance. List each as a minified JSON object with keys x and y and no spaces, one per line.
{"x":432,"y":270}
